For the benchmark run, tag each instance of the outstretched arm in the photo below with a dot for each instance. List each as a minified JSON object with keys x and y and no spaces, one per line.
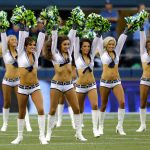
{"x":76,"y":47}
{"x":4,"y":43}
{"x":120,"y":43}
{"x":40,"y":42}
{"x":142,"y":42}
{"x":72,"y":35}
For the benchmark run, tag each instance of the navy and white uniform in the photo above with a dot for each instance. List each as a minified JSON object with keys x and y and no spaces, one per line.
{"x":8,"y":59}
{"x":145,"y":57}
{"x":23,"y":60}
{"x":81,"y":64}
{"x":59,"y":59}
{"x":106,"y":59}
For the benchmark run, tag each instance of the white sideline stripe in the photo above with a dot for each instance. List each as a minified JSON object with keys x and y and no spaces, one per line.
{"x":85,"y":143}
{"x":114,"y":137}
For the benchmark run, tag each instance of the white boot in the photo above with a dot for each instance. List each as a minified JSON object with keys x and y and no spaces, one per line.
{"x":27,"y":121}
{"x":95,"y":123}
{"x":50,"y":125}
{"x":41,"y":123}
{"x":119,"y":128}
{"x":19,"y":138}
{"x":82,"y":125}
{"x":101,"y":122}
{"x":60,"y":110}
{"x":5,"y":119}
{"x":71,"y":116}
{"x":77,"y":120}
{"x":143,"y":120}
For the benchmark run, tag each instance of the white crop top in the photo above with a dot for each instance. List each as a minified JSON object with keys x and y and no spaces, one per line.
{"x":57,"y":57}
{"x":7,"y":57}
{"x":105,"y":58}
{"x":79,"y":61}
{"x":144,"y":55}
{"x":23,"y":60}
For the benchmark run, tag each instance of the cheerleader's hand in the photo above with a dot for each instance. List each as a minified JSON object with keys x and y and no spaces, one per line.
{"x":74,"y":26}
{"x":98,"y":34}
{"x":22,"y":25}
{"x":55,"y":27}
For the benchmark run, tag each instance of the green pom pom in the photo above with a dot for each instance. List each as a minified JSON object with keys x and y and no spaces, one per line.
{"x":51,"y":15}
{"x":97,"y":23}
{"x":86,"y":33}
{"x":30,"y":19}
{"x":136,"y":21}
{"x":4,"y":23}
{"x":64,"y":30}
{"x":18,"y":15}
{"x":78,"y":18}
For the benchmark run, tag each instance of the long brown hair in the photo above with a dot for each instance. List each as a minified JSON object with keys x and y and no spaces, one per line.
{"x":28,"y":40}
{"x":47,"y":49}
{"x":60,"y":40}
{"x":86,"y":40}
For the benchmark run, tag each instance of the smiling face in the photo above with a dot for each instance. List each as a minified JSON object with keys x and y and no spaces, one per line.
{"x":65,"y":45}
{"x":12,"y":41}
{"x":30,"y":45}
{"x":111,"y":46}
{"x":85,"y":48}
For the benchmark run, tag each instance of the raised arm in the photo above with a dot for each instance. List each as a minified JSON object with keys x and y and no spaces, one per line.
{"x":21,"y":41}
{"x":76,"y":47}
{"x":120,"y":43}
{"x":100,"y":46}
{"x":40,"y":42}
{"x":4,"y":43}
{"x":142,"y":42}
{"x":95,"y":45}
{"x":54,"y":41}
{"x":72,"y":35}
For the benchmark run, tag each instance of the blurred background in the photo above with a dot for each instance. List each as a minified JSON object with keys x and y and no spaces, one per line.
{"x":115,"y":10}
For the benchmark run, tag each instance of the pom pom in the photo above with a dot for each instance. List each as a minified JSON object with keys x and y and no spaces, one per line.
{"x":97,"y":23}
{"x":4,"y":24}
{"x":77,"y":19}
{"x":51,"y":15}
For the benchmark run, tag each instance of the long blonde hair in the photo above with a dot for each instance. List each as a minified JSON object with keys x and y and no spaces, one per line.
{"x":106,"y":41}
{"x":8,"y":38}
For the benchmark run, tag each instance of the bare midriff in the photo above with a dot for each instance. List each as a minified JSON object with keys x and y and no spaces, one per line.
{"x":146,"y":70}
{"x":63,"y":73}
{"x":28,"y":78}
{"x":110,"y":73}
{"x":85,"y":78}
{"x":11,"y":71}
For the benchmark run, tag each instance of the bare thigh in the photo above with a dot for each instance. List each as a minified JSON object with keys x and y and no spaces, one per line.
{"x":144,"y":90}
{"x":7,"y":90}
{"x":104,"y":93}
{"x":73,"y":101}
{"x":54,"y":100}
{"x":93,"y":97}
{"x":81,"y":99}
{"x":62,"y":99}
{"x":119,"y":94}
{"x":22,"y":103}
{"x":37,"y":99}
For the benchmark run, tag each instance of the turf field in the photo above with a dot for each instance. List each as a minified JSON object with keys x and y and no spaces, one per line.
{"x":63,"y":137}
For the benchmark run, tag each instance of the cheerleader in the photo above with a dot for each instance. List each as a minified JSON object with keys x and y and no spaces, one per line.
{"x":28,"y":54}
{"x":84,"y":52}
{"x":11,"y":77}
{"x":110,"y":79}
{"x":60,"y":107}
{"x":61,"y":84}
{"x":145,"y":79}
